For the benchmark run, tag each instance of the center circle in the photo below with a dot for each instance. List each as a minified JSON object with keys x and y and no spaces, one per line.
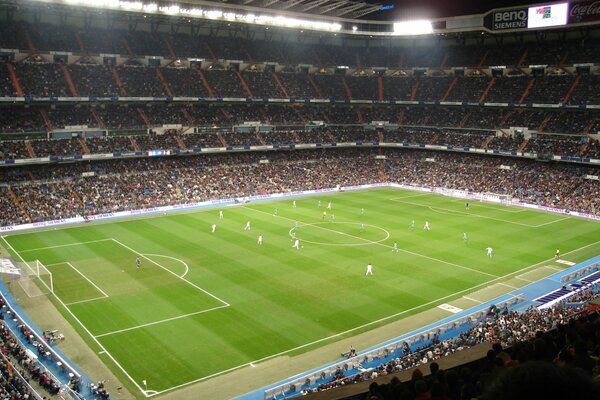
{"x":352,"y":232}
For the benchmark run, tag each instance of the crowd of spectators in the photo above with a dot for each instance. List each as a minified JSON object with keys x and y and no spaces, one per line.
{"x":552,"y":352}
{"x":54,"y":192}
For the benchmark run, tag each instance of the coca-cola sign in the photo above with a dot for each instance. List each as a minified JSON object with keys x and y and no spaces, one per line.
{"x":584,"y":11}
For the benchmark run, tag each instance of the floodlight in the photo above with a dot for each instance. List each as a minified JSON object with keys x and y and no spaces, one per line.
{"x":418,"y":27}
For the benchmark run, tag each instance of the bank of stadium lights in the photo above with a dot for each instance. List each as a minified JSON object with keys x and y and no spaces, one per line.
{"x":185,"y":11}
{"x":418,"y":27}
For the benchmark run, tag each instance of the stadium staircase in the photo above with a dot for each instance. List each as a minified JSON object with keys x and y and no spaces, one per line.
{"x":225,"y":113}
{"x":213,"y":56}
{"x":118,"y":81}
{"x":283,"y":57}
{"x":69,"y":80}
{"x":46,"y":120}
{"x":487,"y":90}
{"x":250,"y":60}
{"x":523,"y":57}
{"x":16,"y":200}
{"x":482,"y":61}
{"x":505,"y":117}
{"x":544,"y":123}
{"x":221,"y":139}
{"x":280,"y":84}
{"x":29,"y":149}
{"x":486,"y":142}
{"x":314,"y":86}
{"x":208,"y":88}
{"x":134,"y":145}
{"x":84,"y":147}
{"x":571,"y":89}
{"x":144,"y":118}
{"x":527,"y":89}
{"x":244,"y":84}
{"x":180,"y":142}
{"x":98,"y":120}
{"x":260,"y":139}
{"x":14,"y":80}
{"x":347,"y":88}
{"x":170,"y":50}
{"x":380,"y":94}
{"x":80,"y":42}
{"x":401,"y":117}
{"x":358,"y":61}
{"x":444,"y":60}
{"x":381,"y":140}
{"x":29,"y":41}
{"x":523,"y":145}
{"x":589,"y":126}
{"x":413,"y":92}
{"x":166,"y":86}
{"x":584,"y":149}
{"x":129,"y":52}
{"x":360,"y":116}
{"x":463,"y":122}
{"x":188,"y":118}
{"x":450,"y":87}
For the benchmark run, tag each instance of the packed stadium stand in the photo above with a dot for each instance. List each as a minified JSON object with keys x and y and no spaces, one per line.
{"x":85,"y":108}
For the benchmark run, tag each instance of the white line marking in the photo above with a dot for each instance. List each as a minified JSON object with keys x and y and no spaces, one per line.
{"x":173,"y":273}
{"x":86,"y":301}
{"x":519,"y":277}
{"x":161,"y":321}
{"x":87,"y":279}
{"x":507,"y":285}
{"x":82,"y":325}
{"x":408,"y":197}
{"x":385,"y":245}
{"x":172,"y":258}
{"x":553,"y":268}
{"x":458,"y":212}
{"x":565,"y":262}
{"x":64,"y":245}
{"x":472,"y":299}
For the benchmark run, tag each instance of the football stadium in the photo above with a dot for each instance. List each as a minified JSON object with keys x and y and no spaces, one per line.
{"x":271,"y":199}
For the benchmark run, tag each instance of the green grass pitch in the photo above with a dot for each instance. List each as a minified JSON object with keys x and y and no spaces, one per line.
{"x":204,"y":303}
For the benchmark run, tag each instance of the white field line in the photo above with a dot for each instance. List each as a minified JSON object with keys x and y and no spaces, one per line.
{"x":83,"y":326}
{"x":447,"y":211}
{"x":173,"y":273}
{"x":507,"y":285}
{"x":65,"y":245}
{"x":87,"y":279}
{"x":472,"y":299}
{"x":251,"y":363}
{"x":496,"y":207}
{"x":520,"y":277}
{"x":408,"y":197}
{"x":388,"y":246}
{"x":187,"y":269}
{"x":86,"y":301}
{"x":161,"y":321}
{"x":553,"y":268}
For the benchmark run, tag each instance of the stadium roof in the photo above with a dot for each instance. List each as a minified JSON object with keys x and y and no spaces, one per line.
{"x":333,"y":8}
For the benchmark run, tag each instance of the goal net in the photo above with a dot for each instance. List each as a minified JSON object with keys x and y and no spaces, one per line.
{"x":36,"y":279}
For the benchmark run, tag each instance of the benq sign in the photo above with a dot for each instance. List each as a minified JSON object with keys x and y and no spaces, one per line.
{"x":508,"y":19}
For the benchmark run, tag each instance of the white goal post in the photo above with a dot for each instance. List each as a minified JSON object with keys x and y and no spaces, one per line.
{"x":44,"y":275}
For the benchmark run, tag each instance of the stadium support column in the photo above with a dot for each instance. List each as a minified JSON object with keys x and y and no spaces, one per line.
{"x":14,"y":80}
{"x":571,"y":89}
